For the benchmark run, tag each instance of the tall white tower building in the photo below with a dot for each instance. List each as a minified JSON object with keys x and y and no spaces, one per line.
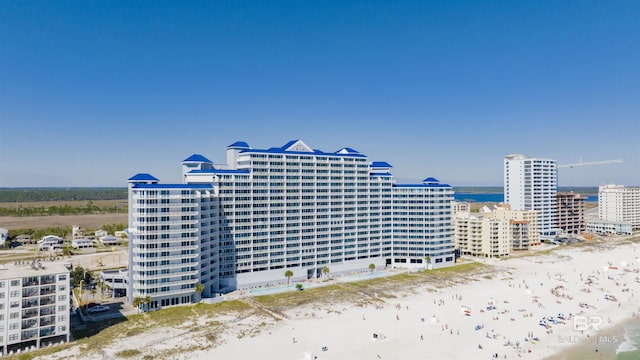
{"x":269,"y":211}
{"x":531,"y":184}
{"x":619,"y":203}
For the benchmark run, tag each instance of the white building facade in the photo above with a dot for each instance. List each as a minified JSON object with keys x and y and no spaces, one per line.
{"x":34,"y":305}
{"x":531,"y":184}
{"x":619,"y":203}
{"x":272,"y":210}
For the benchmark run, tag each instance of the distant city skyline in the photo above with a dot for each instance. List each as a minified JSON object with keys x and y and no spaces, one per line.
{"x":92,"y":93}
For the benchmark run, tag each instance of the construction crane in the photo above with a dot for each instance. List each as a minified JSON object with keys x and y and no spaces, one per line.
{"x":603,"y":162}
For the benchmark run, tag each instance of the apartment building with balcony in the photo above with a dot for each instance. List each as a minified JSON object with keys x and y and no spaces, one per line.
{"x":531,"y":184}
{"x":523,"y":225}
{"x":619,"y":203}
{"x":494,"y":232}
{"x":283,"y":208}
{"x":571,"y":213}
{"x":34,"y":305}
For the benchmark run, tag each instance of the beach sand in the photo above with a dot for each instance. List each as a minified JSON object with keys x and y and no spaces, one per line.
{"x":502,"y":318}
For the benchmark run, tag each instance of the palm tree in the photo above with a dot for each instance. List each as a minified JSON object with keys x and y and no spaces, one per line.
{"x":325,"y":270}
{"x":372,"y":266}
{"x":147,"y":301}
{"x":199,"y":289}
{"x":137,"y":301}
{"x":299,"y":287}
{"x":428,"y":260}
{"x":288,"y":274}
{"x":67,"y":251}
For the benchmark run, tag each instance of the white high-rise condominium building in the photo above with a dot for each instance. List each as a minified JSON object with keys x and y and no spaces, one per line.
{"x":272,"y":210}
{"x":619,"y":203}
{"x":34,"y":305}
{"x":531,"y":184}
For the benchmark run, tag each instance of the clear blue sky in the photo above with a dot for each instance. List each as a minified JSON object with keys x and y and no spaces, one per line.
{"x":93,"y":92}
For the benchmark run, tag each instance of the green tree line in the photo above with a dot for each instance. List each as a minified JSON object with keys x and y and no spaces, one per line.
{"x":58,"y":194}
{"x":65,"y":209}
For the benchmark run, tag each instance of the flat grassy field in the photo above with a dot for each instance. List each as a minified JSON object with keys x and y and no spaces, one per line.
{"x":93,"y":221}
{"x":89,"y":221}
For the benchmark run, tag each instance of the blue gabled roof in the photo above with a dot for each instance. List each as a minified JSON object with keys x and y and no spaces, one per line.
{"x":430,"y":180}
{"x":172,"y":186}
{"x":142,"y":177}
{"x":348,"y":150}
{"x":289,"y":144}
{"x":380,"y":164}
{"x":381,"y":174}
{"x":239,"y":144}
{"x":216,"y":171}
{"x":197,"y":158}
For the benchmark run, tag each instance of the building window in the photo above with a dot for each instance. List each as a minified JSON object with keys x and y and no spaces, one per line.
{"x":15,"y":282}
{"x":15,"y":293}
{"x":13,"y":337}
{"x":14,"y":315}
{"x":13,"y":326}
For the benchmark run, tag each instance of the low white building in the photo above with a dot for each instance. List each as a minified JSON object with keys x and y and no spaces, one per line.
{"x":34,"y":305}
{"x":50,"y":242}
{"x":101,"y":233}
{"x":603,"y":227}
{"x":109,"y":240}
{"x":82,"y":243}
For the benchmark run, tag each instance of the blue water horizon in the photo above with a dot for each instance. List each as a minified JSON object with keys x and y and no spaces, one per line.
{"x":497,"y":197}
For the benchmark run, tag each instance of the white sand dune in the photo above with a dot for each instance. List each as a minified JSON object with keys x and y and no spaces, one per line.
{"x":475,"y":320}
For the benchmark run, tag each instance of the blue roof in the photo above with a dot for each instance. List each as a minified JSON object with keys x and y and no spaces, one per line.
{"x":216,"y":171}
{"x":239,"y":144}
{"x":197,"y":158}
{"x":290,"y":143}
{"x":349,"y":150}
{"x":423,"y":185}
{"x":381,"y":174}
{"x":283,"y":151}
{"x":172,"y":186}
{"x":142,"y":177}
{"x":431,"y":180}
{"x":380,"y":164}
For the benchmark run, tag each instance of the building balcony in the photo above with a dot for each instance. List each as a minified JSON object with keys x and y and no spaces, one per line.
{"x":138,"y":277}
{"x":47,"y":290}
{"x":27,"y":324}
{"x":49,"y":331}
{"x":47,"y":300}
{"x":29,"y":334}
{"x":139,"y":268}
{"x":29,"y":292}
{"x":140,"y":259}
{"x":26,"y":314}
{"x":138,"y":286}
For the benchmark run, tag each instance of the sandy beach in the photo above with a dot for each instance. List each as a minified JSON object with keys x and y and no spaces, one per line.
{"x":529,"y":307}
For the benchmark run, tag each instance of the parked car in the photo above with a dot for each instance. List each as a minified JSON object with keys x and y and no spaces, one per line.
{"x":97,"y":309}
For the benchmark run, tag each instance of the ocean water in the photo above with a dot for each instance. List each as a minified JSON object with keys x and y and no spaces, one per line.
{"x":629,"y":347}
{"x":497,"y":197}
{"x":618,"y":343}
